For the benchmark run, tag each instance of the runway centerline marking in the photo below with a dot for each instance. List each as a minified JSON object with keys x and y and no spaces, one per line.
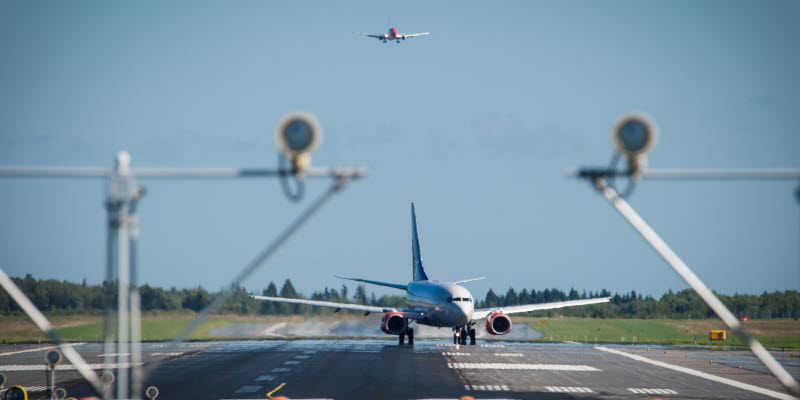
{"x":699,"y":374}
{"x":538,"y":367}
{"x":249,"y":389}
{"x":269,"y":395}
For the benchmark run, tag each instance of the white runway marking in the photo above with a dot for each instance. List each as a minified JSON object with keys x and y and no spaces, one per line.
{"x":114,"y":354}
{"x":539,"y":367}
{"x":569,"y":389}
{"x":31,"y":389}
{"x":487,"y":388}
{"x":508,"y":354}
{"x":302,"y":357}
{"x":492,"y":345}
{"x":36,"y":349}
{"x":291,"y":362}
{"x":60,"y":367}
{"x":281,"y":369}
{"x":174,"y":353}
{"x":249,"y":389}
{"x":652,"y":391}
{"x":265,"y":378}
{"x":699,"y":374}
{"x":447,"y":353}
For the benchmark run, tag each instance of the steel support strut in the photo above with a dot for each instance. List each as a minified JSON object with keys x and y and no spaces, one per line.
{"x":694,"y":281}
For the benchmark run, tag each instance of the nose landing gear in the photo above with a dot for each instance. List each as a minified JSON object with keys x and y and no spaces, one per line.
{"x":461,"y":334}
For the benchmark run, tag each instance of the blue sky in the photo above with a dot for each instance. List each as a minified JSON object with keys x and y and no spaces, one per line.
{"x":475,"y":123}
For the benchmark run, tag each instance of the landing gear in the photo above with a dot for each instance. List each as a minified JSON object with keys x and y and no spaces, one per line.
{"x":408,"y":332}
{"x":463,"y":336}
{"x":471,"y":334}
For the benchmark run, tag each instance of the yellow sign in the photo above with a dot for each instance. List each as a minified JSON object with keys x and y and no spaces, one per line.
{"x":716,"y":335}
{"x":542,"y":323}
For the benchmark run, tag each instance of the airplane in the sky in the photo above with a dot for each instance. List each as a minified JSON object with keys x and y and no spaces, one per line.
{"x":437,"y":304}
{"x":393,"y":35}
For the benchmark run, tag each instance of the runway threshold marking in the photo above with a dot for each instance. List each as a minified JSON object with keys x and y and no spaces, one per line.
{"x":36,"y":349}
{"x":487,"y":388}
{"x":539,"y":367}
{"x":699,"y":374}
{"x":568,"y":389}
{"x":652,"y":391}
{"x":276,"y":389}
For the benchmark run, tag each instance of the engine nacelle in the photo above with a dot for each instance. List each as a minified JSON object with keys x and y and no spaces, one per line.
{"x":393,"y":323}
{"x":498,"y":324}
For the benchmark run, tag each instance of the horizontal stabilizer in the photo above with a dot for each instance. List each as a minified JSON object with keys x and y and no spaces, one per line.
{"x":391,"y":285}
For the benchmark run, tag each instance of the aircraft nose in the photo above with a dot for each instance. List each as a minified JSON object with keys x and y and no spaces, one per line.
{"x":464,"y":312}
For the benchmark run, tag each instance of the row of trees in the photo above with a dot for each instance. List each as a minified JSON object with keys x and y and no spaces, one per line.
{"x":66,"y":297}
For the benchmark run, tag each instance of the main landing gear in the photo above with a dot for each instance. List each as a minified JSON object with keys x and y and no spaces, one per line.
{"x":410,"y":333}
{"x":461,"y":334}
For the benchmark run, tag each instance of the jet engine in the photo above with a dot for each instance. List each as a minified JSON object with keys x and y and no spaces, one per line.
{"x":393,"y":323}
{"x":498,"y":324}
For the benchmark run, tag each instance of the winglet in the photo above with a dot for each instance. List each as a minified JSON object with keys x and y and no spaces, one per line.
{"x":416,"y":259}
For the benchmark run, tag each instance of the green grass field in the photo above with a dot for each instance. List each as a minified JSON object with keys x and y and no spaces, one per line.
{"x":154,"y":327}
{"x":783,"y":333}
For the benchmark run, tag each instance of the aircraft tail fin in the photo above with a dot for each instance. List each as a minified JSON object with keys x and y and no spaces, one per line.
{"x":416,"y":260}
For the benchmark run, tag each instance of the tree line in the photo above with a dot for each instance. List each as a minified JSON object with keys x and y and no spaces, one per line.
{"x":64,"y":297}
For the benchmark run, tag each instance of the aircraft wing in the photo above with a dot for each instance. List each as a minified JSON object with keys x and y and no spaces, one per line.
{"x":410,"y":314}
{"x":373,"y":35}
{"x":391,"y":285}
{"x":416,"y":34}
{"x":484,"y":312}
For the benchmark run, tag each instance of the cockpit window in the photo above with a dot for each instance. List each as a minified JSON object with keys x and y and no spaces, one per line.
{"x":449,"y":299}
{"x":457,"y":299}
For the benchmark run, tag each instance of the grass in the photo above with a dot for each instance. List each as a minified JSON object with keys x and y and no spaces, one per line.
{"x":155,"y":327}
{"x":783,"y":333}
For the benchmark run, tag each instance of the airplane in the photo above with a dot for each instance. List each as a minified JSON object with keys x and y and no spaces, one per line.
{"x":437,"y":304}
{"x":394,"y":35}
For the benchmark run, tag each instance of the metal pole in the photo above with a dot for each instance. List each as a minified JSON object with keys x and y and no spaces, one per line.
{"x":694,"y":281}
{"x":112,"y":207}
{"x":123,"y":274}
{"x":53,"y":382}
{"x":136,"y":327}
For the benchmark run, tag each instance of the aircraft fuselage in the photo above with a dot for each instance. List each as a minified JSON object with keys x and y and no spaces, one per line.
{"x":445,"y":304}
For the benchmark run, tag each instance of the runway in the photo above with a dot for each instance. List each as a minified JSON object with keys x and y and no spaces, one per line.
{"x":431,"y":369}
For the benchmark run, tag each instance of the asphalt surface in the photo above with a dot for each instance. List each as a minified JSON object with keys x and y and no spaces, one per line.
{"x":431,"y":369}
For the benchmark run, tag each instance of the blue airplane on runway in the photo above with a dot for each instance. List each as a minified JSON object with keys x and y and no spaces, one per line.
{"x":437,"y":304}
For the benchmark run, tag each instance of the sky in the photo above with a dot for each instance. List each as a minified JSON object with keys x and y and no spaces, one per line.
{"x":476,"y":124}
